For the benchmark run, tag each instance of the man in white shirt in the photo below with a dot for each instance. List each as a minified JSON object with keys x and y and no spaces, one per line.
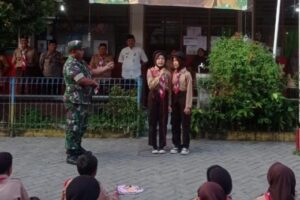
{"x":131,"y":58}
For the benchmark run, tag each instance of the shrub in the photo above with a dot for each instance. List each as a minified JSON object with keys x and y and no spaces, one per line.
{"x":246,"y":90}
{"x":119,"y":114}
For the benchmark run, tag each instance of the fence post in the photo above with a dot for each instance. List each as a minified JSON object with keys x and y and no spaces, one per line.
{"x":139,"y":99}
{"x":12,"y":104}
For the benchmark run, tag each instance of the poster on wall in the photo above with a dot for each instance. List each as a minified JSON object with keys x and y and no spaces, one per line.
{"x":192,"y":50}
{"x":42,"y":46}
{"x":222,"y":4}
{"x":193,"y":31}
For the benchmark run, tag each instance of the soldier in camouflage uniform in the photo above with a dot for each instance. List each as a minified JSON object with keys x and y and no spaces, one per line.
{"x":77,"y":97}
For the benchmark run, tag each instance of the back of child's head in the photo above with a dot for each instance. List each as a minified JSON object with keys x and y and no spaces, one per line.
{"x":220,"y":175}
{"x":83,"y":188}
{"x":5,"y":162}
{"x":87,"y":164}
{"x":34,"y":198}
{"x":211,"y":191}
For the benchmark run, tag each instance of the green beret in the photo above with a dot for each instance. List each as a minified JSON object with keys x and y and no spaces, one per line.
{"x":74,"y":44}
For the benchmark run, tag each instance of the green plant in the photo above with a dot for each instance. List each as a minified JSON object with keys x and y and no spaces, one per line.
{"x":33,"y":118}
{"x":119,"y":114}
{"x":26,"y":17}
{"x":246,"y":88}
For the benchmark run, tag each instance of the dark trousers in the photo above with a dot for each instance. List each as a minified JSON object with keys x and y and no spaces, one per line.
{"x":179,"y":118}
{"x":158,"y":114}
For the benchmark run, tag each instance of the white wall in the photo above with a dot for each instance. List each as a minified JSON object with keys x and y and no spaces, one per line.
{"x":136,"y":13}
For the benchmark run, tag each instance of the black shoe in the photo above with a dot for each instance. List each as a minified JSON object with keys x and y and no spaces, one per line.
{"x":82,"y":150}
{"x":72,"y":159}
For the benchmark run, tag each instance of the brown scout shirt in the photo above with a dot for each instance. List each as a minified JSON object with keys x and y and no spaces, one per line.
{"x":185,"y":84}
{"x":153,"y":76}
{"x":31,"y":57}
{"x":98,"y":61}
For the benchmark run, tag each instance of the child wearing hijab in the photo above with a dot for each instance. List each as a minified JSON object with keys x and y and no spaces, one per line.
{"x":83,"y":188}
{"x":221,"y":176}
{"x":182,"y":99}
{"x":282,"y":183}
{"x":159,"y":81}
{"x":211,"y":191}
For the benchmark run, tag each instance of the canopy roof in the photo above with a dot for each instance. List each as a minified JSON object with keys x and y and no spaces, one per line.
{"x":223,"y":4}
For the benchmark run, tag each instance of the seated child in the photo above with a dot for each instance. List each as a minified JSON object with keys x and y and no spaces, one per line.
{"x":87,"y":165}
{"x":83,"y":188}
{"x":282,"y":183}
{"x":10,"y":188}
{"x":211,"y":191}
{"x":218,"y":174}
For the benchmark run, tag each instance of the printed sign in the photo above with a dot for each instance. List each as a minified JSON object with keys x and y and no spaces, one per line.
{"x":223,"y":4}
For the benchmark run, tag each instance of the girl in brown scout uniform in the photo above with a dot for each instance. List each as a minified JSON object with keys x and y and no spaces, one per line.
{"x":182,"y":97}
{"x":159,"y":82}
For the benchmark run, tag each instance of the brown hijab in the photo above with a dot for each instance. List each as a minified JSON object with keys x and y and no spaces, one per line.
{"x":282,"y":182}
{"x":211,"y":191}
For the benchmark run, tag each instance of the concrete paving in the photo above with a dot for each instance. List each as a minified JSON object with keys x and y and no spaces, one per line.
{"x":40,"y":164}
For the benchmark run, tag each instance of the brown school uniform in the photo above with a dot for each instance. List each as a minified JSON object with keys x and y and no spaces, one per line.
{"x":182,"y":97}
{"x":12,"y":188}
{"x":98,"y":61}
{"x":25,"y":62}
{"x":159,"y":83}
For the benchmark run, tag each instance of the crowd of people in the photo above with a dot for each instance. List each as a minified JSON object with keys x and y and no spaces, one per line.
{"x":85,"y":186}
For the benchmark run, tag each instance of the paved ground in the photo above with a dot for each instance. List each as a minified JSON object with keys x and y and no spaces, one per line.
{"x":40,"y":163}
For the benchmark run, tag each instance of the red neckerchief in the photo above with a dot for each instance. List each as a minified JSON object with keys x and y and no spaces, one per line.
{"x":177,"y":74}
{"x":101,"y":61}
{"x":3,"y":177}
{"x":267,"y":196}
{"x":162,"y":81}
{"x":24,"y":59}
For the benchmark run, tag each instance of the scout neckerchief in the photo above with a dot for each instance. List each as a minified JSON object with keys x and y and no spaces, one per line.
{"x":3,"y":177}
{"x":162,"y":81}
{"x":268,"y":196}
{"x":177,"y":80}
{"x":162,"y":86}
{"x":24,"y":59}
{"x":101,"y":61}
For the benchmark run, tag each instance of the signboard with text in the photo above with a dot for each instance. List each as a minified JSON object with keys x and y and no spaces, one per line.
{"x":223,"y":4}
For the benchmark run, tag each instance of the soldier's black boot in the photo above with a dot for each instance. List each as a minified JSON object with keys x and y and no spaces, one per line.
{"x":72,"y":156}
{"x":84,"y":151}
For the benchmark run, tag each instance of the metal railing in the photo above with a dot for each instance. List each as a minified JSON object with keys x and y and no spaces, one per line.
{"x":34,"y":103}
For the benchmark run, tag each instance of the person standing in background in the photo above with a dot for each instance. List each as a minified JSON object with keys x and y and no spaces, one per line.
{"x":101,"y":59}
{"x":25,"y":59}
{"x":3,"y":63}
{"x":51,"y":64}
{"x":131,"y":58}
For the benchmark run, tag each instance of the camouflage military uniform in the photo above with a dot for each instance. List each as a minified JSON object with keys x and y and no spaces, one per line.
{"x":76,"y":99}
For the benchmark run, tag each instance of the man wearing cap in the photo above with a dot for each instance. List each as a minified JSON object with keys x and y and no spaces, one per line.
{"x":77,"y":97}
